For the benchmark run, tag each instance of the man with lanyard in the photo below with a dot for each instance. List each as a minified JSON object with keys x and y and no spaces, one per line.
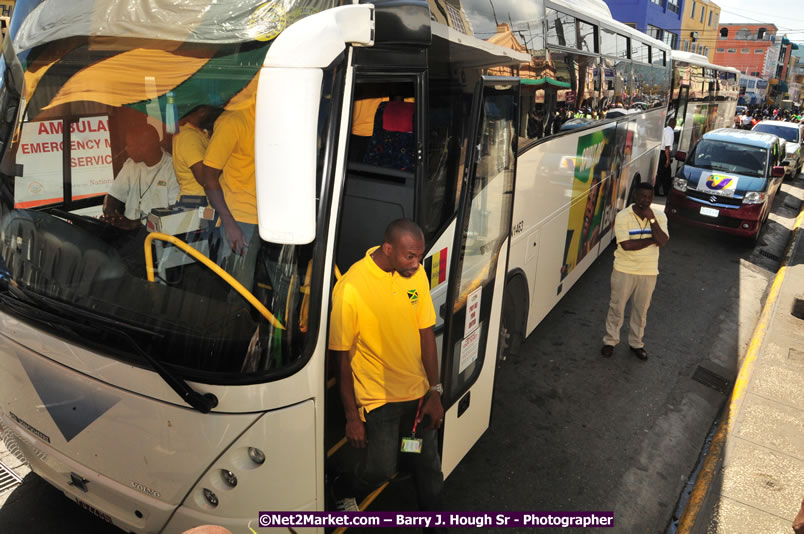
{"x":663,"y":177}
{"x":639,"y":232}
{"x":381,"y":333}
{"x":145,"y":182}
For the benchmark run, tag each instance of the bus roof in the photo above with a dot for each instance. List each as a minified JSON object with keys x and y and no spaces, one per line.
{"x":701,"y":61}
{"x":597,"y":12}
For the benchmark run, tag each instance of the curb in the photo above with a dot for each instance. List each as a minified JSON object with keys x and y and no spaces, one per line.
{"x":703,"y":483}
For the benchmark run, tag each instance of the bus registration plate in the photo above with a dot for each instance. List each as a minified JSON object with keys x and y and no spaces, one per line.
{"x":710,"y":212}
{"x":94,"y":511}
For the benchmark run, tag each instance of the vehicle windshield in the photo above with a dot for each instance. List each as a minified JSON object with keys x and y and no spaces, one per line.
{"x":103,"y":155}
{"x":729,"y":157}
{"x":788,"y":133}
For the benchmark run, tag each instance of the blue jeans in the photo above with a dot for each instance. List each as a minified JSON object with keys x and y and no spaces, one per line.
{"x":239,"y":266}
{"x":385,"y":428}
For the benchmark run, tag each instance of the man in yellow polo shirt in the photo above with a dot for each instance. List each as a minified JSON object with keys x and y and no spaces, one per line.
{"x":229,"y":182}
{"x":640,"y":232}
{"x":381,"y":332}
{"x":189,"y":148}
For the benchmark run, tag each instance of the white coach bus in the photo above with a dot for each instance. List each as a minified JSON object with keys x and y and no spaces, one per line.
{"x":593,"y":103}
{"x":146,"y":383}
{"x":703,"y":98}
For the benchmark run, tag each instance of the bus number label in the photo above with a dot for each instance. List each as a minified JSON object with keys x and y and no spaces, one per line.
{"x":518,"y":227}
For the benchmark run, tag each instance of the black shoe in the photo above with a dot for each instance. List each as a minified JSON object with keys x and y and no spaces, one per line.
{"x":607,"y":351}
{"x":640,"y":353}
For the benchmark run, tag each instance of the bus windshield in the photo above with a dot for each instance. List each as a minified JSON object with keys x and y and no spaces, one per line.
{"x":100,"y":125}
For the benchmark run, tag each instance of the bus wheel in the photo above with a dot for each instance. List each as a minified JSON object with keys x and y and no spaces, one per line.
{"x":512,"y":321}
{"x":632,"y":191}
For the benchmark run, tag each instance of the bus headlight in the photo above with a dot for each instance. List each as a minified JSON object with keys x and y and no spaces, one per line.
{"x":256,"y":455}
{"x":680,"y":184}
{"x":754,"y":197}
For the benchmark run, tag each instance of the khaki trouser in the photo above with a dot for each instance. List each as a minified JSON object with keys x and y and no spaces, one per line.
{"x":638,"y":288}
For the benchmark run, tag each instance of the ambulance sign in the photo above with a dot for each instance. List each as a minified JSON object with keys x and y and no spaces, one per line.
{"x":41,"y":154}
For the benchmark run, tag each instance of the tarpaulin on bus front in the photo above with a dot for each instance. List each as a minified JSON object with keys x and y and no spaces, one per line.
{"x":200,"y":21}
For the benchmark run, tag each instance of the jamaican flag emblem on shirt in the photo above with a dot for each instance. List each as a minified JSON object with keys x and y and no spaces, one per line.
{"x":413,"y":295}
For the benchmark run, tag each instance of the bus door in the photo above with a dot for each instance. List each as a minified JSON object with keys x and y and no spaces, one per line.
{"x":683,"y":131}
{"x":478,"y":267}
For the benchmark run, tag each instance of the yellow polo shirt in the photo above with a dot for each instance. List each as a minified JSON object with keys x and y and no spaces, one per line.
{"x":627,"y":225}
{"x":376,"y":316}
{"x":189,"y":147}
{"x":231,"y":149}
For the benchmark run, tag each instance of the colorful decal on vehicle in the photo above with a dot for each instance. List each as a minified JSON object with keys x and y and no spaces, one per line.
{"x":598,"y":166}
{"x":719,"y":184}
{"x":436,"y":268}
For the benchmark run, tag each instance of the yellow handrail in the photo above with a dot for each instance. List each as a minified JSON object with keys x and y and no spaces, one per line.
{"x":229,"y":279}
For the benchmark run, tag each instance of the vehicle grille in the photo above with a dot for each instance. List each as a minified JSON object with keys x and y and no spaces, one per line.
{"x":8,"y":479}
{"x":694,"y":215}
{"x":706,"y":198}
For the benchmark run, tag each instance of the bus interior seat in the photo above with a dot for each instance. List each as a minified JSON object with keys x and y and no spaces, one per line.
{"x":391,"y":144}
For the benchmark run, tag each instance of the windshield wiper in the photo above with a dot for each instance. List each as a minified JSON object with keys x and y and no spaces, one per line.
{"x":33,"y":303}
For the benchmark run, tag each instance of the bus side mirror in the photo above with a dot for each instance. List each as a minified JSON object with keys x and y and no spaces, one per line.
{"x":681,"y":156}
{"x":286,"y":129}
{"x":285,"y":153}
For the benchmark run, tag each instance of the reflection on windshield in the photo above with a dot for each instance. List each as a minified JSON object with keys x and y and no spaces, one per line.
{"x":113,"y":147}
{"x":729,"y":157}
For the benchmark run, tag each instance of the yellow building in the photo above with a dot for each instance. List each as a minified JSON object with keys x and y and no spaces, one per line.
{"x":699,"y":27}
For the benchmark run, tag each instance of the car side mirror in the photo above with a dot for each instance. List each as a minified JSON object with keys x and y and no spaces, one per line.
{"x":777,"y":171}
{"x":681,"y":156}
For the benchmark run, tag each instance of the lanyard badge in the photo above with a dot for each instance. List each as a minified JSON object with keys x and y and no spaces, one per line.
{"x":413,"y":444}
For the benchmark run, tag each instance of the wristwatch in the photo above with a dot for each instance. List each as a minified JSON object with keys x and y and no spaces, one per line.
{"x":652,"y":221}
{"x":439,"y":388}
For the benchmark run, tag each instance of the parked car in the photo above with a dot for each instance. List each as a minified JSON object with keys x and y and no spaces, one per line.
{"x":728,"y":182}
{"x":791,"y":132}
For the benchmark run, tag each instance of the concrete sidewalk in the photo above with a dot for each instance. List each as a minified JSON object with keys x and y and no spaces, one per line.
{"x":752,"y":480}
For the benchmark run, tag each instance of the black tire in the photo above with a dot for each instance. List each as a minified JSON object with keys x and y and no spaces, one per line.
{"x":631,"y":191}
{"x":511,"y":322}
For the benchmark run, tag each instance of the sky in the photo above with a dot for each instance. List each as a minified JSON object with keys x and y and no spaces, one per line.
{"x":787,"y":15}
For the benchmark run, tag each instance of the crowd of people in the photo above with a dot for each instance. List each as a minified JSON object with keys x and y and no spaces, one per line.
{"x":748,"y":117}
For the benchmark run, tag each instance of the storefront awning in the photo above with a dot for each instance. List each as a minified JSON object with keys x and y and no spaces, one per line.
{"x":546,"y":79}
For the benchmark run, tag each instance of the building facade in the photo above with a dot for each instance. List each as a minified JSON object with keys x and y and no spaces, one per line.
{"x":661,"y":19}
{"x":749,"y":48}
{"x":699,"y":28}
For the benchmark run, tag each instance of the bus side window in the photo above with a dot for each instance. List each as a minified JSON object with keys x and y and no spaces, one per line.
{"x":571,"y":87}
{"x":448,"y":111}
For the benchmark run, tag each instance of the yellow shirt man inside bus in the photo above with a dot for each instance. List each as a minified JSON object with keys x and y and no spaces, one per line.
{"x":381,"y":332}
{"x":229,"y":182}
{"x":189,"y":148}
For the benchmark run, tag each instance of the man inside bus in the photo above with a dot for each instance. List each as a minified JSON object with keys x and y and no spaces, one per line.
{"x":381,"y":333}
{"x":189,"y":148}
{"x":145,"y":182}
{"x":228,"y":178}
{"x":640,"y":232}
